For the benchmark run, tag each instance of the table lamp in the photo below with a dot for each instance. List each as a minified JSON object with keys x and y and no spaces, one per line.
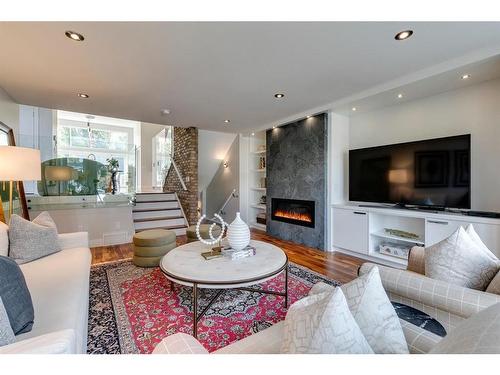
{"x":59,"y":174}
{"x":19,"y":164}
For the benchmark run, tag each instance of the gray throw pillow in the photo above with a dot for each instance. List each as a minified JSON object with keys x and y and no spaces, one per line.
{"x":15,"y":296}
{"x":6,"y":333}
{"x":31,"y":240}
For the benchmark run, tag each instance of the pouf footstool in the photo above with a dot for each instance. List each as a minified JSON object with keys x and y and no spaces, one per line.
{"x":191,"y":232}
{"x":151,"y":245}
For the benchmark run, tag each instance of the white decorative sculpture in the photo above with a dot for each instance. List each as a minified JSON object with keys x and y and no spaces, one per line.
{"x":238,"y":234}
{"x":212,"y":240}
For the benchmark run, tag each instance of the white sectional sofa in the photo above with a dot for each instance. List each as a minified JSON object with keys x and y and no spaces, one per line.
{"x":59,"y":287}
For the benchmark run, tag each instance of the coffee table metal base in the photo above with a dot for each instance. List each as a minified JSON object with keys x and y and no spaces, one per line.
{"x":196,"y":317}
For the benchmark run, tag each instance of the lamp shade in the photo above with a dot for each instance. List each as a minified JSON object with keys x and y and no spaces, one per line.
{"x":58,"y":173}
{"x":19,"y":164}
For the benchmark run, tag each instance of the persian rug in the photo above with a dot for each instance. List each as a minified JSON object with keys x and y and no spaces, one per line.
{"x":132,"y":309}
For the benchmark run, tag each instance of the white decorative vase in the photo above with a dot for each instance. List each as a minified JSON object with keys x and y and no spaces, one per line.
{"x":238,"y":233}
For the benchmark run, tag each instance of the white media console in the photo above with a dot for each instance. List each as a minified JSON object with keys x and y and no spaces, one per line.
{"x":359,"y":230}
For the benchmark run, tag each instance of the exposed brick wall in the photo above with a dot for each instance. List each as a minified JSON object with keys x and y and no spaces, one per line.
{"x":186,"y":158}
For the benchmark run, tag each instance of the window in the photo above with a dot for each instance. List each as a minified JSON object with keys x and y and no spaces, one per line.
{"x":100,"y":138}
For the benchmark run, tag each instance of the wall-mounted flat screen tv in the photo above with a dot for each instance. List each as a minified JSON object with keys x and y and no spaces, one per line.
{"x":433,"y":172}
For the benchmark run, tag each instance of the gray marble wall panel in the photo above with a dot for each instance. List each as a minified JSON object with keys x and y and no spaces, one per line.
{"x":296,"y":169}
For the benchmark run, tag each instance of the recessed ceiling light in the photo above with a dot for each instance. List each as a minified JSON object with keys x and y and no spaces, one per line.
{"x":253,"y":134}
{"x":74,"y":36}
{"x":227,"y":121}
{"x":82,"y":95}
{"x":466,"y":76}
{"x":279,"y":96}
{"x":400,"y":96}
{"x":274,"y":127}
{"x":353,"y":109}
{"x":165,"y":112}
{"x":402,"y":35}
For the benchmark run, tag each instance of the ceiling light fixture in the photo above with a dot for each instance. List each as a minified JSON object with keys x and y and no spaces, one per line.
{"x":400,"y":96}
{"x":308,"y":116}
{"x":74,"y":36}
{"x":279,"y":96}
{"x":253,"y":134}
{"x":83,"y":96}
{"x":227,"y":121}
{"x":274,"y":127}
{"x":402,"y":35}
{"x":165,"y":112}
{"x":466,"y":76}
{"x":354,"y":109}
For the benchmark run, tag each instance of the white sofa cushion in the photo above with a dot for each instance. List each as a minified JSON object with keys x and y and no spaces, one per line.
{"x":458,"y":260}
{"x":4,"y":239}
{"x":323,"y":324}
{"x":61,"y":300}
{"x":60,"y":342}
{"x":476,"y":335}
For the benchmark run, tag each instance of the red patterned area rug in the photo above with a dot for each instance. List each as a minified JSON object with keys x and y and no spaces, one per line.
{"x":132,"y":309}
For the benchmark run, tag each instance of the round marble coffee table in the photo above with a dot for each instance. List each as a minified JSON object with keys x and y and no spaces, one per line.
{"x":186,"y":266}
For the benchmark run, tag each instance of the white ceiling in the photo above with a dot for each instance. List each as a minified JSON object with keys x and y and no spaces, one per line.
{"x":207,"y":72}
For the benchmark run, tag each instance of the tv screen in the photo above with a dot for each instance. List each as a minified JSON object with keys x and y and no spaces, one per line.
{"x":434,"y":172}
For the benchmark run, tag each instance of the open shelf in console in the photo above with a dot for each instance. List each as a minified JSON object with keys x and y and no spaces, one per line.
{"x":379,"y":225}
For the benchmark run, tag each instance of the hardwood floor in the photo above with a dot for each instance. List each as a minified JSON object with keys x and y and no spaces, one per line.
{"x":337,"y":266}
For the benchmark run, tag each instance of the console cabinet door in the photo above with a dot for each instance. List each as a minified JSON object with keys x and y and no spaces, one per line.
{"x":350,"y":230}
{"x":438,"y":229}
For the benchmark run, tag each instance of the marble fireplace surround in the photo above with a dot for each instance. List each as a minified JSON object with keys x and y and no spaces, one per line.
{"x":296,"y":162}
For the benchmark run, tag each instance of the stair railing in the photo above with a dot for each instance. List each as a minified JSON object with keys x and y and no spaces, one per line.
{"x":178,"y":173}
{"x":229,"y":198}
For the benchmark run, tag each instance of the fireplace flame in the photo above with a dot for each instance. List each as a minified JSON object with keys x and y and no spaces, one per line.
{"x":293,"y":215}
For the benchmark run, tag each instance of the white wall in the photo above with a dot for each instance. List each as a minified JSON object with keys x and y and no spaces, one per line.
{"x":212,"y":149}
{"x":9,"y":111}
{"x":474,"y":109}
{"x":148,"y":131}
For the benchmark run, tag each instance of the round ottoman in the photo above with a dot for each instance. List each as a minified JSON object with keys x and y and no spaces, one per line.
{"x":191,"y":232}
{"x":151,"y":245}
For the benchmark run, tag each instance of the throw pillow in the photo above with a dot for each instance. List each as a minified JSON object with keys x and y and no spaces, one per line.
{"x":30,"y":241}
{"x":494,"y":286}
{"x":375,"y":314}
{"x":45,"y":220}
{"x":4,"y":239}
{"x":475,"y":237}
{"x":458,"y":260}
{"x":6,"y":334}
{"x":475,"y":335}
{"x":15,"y":296}
{"x":323,"y":324}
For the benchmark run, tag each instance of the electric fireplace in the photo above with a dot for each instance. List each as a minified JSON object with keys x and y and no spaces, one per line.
{"x":293,"y":211}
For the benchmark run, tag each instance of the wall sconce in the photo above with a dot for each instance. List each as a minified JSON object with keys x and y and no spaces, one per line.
{"x":226,"y":164}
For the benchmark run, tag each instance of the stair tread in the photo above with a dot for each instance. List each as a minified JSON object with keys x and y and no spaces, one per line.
{"x":163,"y":227}
{"x":155,"y":209}
{"x":157,"y":201}
{"x":156,"y":192}
{"x":158,"y":218}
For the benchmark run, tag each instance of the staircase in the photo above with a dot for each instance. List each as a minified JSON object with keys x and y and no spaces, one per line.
{"x":159,"y":210}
